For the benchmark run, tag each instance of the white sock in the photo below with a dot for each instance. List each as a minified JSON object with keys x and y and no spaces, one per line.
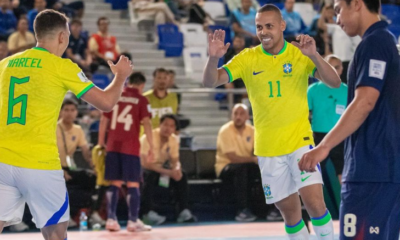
{"x":298,"y":231}
{"x":323,"y":226}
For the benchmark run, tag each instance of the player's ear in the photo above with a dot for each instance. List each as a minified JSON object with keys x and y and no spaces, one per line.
{"x":283,"y":25}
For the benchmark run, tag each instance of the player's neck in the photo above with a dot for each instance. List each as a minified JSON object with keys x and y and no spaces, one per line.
{"x":277,"y":49}
{"x":367,"y":22}
{"x":49,"y":46}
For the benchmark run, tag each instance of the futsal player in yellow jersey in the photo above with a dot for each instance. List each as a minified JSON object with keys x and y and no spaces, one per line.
{"x":276,"y":77}
{"x":32,"y":87}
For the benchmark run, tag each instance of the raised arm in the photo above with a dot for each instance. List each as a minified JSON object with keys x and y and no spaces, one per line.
{"x":106,"y":99}
{"x":325,"y":72}
{"x":212,"y":76}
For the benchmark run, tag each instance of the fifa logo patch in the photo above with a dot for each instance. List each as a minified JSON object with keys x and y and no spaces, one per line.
{"x":267,"y":191}
{"x":83,"y":77}
{"x":287,"y":69}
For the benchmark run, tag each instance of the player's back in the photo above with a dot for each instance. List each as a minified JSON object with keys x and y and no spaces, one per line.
{"x":32,"y":87}
{"x":125,"y":121}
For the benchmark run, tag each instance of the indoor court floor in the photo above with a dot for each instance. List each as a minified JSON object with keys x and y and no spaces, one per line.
{"x":202,"y":231}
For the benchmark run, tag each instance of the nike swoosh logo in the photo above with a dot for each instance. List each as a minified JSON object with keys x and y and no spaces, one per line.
{"x":256,"y":73}
{"x":303,"y":179}
{"x":324,"y":235}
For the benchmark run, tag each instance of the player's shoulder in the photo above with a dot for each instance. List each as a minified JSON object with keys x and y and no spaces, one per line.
{"x":381,"y":40}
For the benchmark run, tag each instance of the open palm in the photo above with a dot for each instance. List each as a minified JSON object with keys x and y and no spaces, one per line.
{"x":216,"y":45}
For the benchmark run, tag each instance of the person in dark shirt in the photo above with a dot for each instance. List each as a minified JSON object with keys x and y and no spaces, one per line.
{"x":8,"y":21}
{"x":77,"y":49}
{"x":370,"y":206}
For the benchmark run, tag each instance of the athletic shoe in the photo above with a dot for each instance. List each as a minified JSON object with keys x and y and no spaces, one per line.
{"x":152,"y":218}
{"x":186,"y":216}
{"x":112,"y":225}
{"x":245,"y":216}
{"x":137,"y":226}
{"x":274,"y":215}
{"x":20,"y":227}
{"x":95,"y":218}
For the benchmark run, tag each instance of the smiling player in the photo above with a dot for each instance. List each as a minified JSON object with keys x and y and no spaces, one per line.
{"x":276,"y":77}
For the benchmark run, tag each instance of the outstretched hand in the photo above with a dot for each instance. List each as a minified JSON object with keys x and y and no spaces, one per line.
{"x":124,"y":67}
{"x":216,"y":44}
{"x":306,"y":44}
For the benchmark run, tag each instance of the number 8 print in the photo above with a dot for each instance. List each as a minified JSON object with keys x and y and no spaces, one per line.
{"x":350,"y":221}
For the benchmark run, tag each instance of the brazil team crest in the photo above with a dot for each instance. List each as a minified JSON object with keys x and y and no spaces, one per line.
{"x":267,"y":191}
{"x":287,"y":69}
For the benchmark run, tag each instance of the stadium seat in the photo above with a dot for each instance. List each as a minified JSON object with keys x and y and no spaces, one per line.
{"x":170,"y":40}
{"x":119,"y":4}
{"x":195,"y":59}
{"x":188,"y":162}
{"x":217,"y":11}
{"x":205,"y":161}
{"x":193,"y":35}
{"x":100,"y":80}
{"x":306,"y":11}
{"x":390,"y":11}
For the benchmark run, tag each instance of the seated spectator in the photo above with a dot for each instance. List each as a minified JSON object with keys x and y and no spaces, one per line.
{"x":160,"y":100}
{"x":77,"y":49}
{"x":22,"y":39}
{"x":165,"y":170}
{"x":237,"y":46}
{"x":235,"y":161}
{"x":172,"y":85}
{"x":235,"y":4}
{"x":60,"y":7}
{"x":39,"y":6}
{"x":19,"y":10}
{"x":8,"y":21}
{"x":158,"y":11}
{"x":318,"y":29}
{"x":102,"y":45}
{"x":28,"y":4}
{"x":69,"y":137}
{"x":243,"y":22}
{"x":3,"y":50}
{"x":198,"y":15}
{"x":326,"y":107}
{"x":294,"y":22}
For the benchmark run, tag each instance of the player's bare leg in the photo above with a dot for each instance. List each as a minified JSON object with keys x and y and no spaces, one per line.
{"x":2,"y":226}
{"x":313,"y":200}
{"x":290,"y":209}
{"x":55,"y":232}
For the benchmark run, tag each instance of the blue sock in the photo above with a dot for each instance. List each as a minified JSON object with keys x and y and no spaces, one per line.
{"x":133,"y":201}
{"x":112,"y":201}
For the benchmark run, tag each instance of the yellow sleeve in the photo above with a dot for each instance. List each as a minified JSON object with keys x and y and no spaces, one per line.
{"x":236,"y":66}
{"x":225,"y":141}
{"x":93,"y":46}
{"x":82,"y":139}
{"x":73,"y":78}
{"x":311,"y":68}
{"x":12,"y":42}
{"x":144,"y":145}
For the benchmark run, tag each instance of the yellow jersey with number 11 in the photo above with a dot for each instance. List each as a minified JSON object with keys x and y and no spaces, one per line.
{"x":32,"y":88}
{"x":277,"y":89}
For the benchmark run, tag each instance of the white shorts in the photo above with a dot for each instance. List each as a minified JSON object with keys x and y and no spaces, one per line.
{"x":281,"y":176}
{"x":43,"y":190}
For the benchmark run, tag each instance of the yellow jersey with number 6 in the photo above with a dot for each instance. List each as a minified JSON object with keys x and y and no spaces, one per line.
{"x":277,"y":90}
{"x":32,"y":88}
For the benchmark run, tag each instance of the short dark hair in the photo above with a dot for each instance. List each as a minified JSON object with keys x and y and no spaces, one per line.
{"x":101,"y":19}
{"x":239,"y":36}
{"x":373,"y":6}
{"x":170,"y":116}
{"x":171,"y":72}
{"x":76,"y":21}
{"x":159,"y":70}
{"x":69,"y":101}
{"x":269,"y":8}
{"x":48,"y":21}
{"x":137,"y":78}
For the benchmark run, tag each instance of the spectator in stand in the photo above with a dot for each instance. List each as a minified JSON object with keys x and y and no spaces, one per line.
{"x":243,"y":22}
{"x":8,"y":21}
{"x":238,"y":45}
{"x":235,"y":4}
{"x":172,"y":85}
{"x":18,"y":9}
{"x":77,"y":6}
{"x":69,"y":137}
{"x":318,"y":29}
{"x":22,"y":39}
{"x":77,"y":49}
{"x":40,"y":5}
{"x":294,"y":22}
{"x":165,"y":170}
{"x":160,"y":100}
{"x":102,"y":45}
{"x":198,"y":15}
{"x":3,"y":50}
{"x":28,"y":4}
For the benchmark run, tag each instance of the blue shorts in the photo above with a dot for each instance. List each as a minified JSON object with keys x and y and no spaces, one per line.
{"x":122,"y":167}
{"x":370,"y":211}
